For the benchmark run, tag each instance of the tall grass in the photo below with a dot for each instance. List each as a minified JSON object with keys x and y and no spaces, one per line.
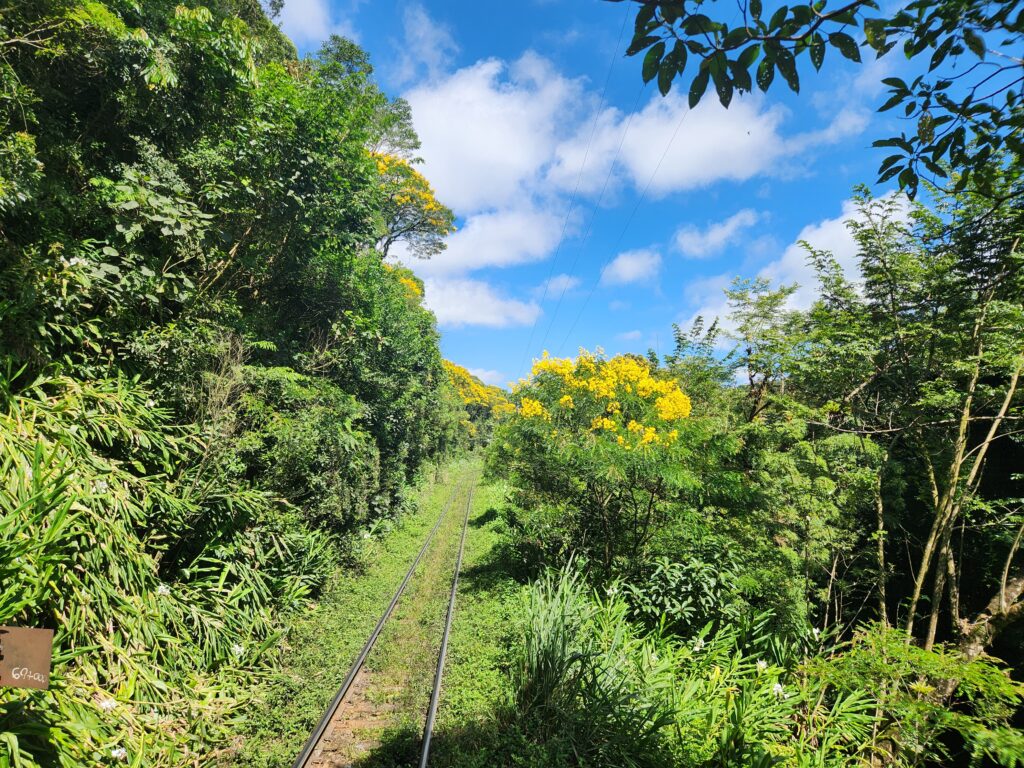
{"x":601,"y":690}
{"x":155,"y":641}
{"x":585,"y":681}
{"x":611,"y":693}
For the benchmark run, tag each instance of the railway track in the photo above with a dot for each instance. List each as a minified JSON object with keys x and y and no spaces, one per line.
{"x":314,"y":754}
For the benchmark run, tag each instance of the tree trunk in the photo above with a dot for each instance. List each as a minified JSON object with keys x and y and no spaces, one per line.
{"x":883,"y":610}
{"x":1003,"y":609}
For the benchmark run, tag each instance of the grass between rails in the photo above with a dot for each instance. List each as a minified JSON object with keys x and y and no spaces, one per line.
{"x":402,"y":665}
{"x":323,"y":643}
{"x":487,"y":614}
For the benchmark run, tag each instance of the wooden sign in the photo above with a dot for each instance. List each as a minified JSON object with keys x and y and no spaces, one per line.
{"x":25,"y":655}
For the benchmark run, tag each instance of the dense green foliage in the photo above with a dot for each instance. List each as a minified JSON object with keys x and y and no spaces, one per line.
{"x":849,"y":472}
{"x":795,"y":540}
{"x":210,"y":384}
{"x":590,"y":684}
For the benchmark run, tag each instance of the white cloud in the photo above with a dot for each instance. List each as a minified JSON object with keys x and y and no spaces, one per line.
{"x":583,"y":160}
{"x":708,"y":294}
{"x":427,"y":47}
{"x":674,"y":148}
{"x":489,"y":129}
{"x":871,"y":73}
{"x":308,"y":22}
{"x":791,"y":267}
{"x":503,"y":144}
{"x":631,"y":267}
{"x":556,"y":286}
{"x":629,"y":336}
{"x":711,"y":143}
{"x":487,"y":376}
{"x":501,"y":238}
{"x":696,"y":243}
{"x":847,"y":122}
{"x":460,"y":302}
{"x":831,"y":235}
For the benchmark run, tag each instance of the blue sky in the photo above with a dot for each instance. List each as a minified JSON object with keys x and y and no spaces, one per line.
{"x":592,"y":211}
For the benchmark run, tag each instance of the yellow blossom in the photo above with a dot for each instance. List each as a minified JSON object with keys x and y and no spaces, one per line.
{"x":673,"y":405}
{"x":411,"y":285}
{"x":566,"y":401}
{"x":501,"y":409}
{"x":530,"y":407}
{"x":475,"y":392}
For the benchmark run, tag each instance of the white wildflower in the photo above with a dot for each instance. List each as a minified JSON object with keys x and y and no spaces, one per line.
{"x":699,"y":645}
{"x":119,"y":753}
{"x":100,"y":486}
{"x":366,"y":534}
{"x":163,"y":590}
{"x":762,"y":665}
{"x":238,"y":649}
{"x":108,"y":705}
{"x":816,"y":632}
{"x":779,"y":691}
{"x":612,"y":591}
{"x":150,"y":403}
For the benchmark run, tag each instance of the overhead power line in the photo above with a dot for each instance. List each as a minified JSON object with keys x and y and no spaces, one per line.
{"x":622,"y":234}
{"x":579,"y":177}
{"x":590,"y":227}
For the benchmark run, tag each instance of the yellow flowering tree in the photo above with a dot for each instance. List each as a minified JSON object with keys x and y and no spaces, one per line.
{"x":407,"y":279}
{"x":483,"y":403}
{"x":410,"y":211}
{"x":597,"y":451}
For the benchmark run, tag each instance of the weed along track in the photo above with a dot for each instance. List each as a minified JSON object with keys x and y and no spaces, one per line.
{"x":383,"y":712}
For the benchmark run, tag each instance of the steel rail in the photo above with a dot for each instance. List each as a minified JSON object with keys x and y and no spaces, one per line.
{"x":314,"y":739}
{"x":435,"y":695}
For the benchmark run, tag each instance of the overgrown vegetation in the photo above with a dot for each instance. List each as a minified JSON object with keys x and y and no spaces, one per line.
{"x":597,"y":689}
{"x":211,"y":386}
{"x":795,"y":540}
{"x":484,"y":403}
{"x":812,"y":557}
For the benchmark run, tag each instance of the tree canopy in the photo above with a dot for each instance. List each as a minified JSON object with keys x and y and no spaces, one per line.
{"x":965,"y":104}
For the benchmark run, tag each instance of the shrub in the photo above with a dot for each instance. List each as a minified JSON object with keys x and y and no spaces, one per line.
{"x":597,"y":451}
{"x":583,"y":681}
{"x":612,"y":693}
{"x":684,"y":595}
{"x":158,"y":630}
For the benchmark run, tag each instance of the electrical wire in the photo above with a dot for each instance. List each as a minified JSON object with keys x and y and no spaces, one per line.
{"x":579,"y":177}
